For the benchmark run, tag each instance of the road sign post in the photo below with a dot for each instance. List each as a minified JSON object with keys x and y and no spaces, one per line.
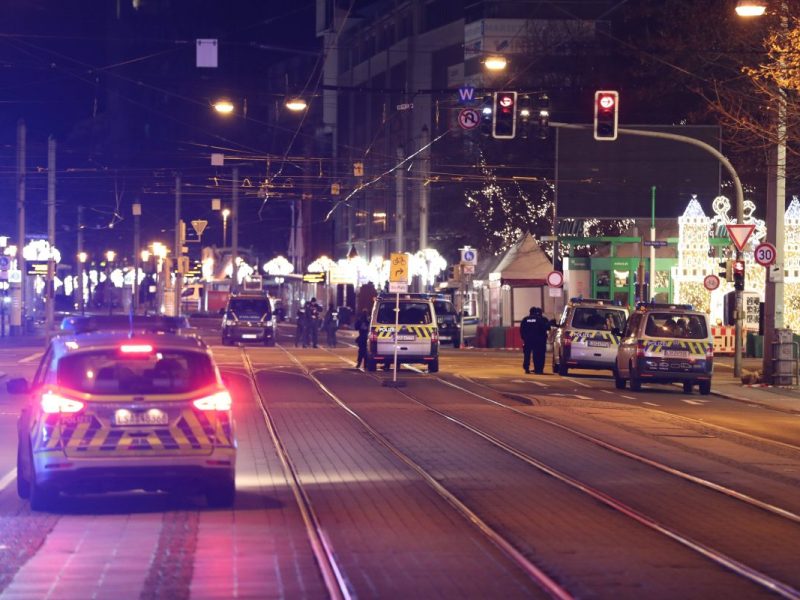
{"x":398,"y":282}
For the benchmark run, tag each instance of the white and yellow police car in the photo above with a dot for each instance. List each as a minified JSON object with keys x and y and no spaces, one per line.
{"x":666,"y":343}
{"x":116,"y":411}
{"x":417,"y":336}
{"x":588,"y":334}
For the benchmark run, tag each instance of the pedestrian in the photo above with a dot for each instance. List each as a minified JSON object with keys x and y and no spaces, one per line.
{"x":312,"y":322}
{"x":330,"y":324}
{"x":300,"y":332}
{"x":533,"y":330}
{"x":362,"y":333}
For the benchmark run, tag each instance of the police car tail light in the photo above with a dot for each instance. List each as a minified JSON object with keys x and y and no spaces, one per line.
{"x":640,"y":349}
{"x":709,"y":352}
{"x":219,"y":401}
{"x":53,"y":403}
{"x":435,"y":336}
{"x":373,"y":336}
{"x":566,"y":338}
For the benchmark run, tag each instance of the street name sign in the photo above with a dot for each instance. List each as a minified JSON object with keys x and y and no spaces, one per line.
{"x":739,"y":234}
{"x":398,"y":287}
{"x":764,"y":254}
{"x":655,"y":243}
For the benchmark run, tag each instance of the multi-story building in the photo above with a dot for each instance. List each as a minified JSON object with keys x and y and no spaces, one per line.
{"x":390,"y":88}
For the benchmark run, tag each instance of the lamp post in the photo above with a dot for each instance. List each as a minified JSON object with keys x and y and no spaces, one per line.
{"x":110,"y":254}
{"x":776,"y":200}
{"x":82,"y":257}
{"x":137,"y":213}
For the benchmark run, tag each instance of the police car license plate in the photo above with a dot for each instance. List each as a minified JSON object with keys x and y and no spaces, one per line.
{"x":406,"y":338}
{"x":599,"y":343}
{"x":249,"y":336}
{"x":152,"y":416}
{"x":676,"y":353}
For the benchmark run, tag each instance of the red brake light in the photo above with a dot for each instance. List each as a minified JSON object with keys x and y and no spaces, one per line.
{"x":640,"y":349}
{"x":219,"y":401}
{"x":566,"y":338}
{"x":136,"y":349}
{"x":373,"y":336}
{"x":53,"y":403}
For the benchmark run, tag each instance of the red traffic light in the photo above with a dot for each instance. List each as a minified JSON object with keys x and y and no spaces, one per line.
{"x":738,"y":267}
{"x":505,"y":100}
{"x":606,"y":101}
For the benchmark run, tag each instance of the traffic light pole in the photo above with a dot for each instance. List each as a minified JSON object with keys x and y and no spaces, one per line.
{"x":737,"y":184}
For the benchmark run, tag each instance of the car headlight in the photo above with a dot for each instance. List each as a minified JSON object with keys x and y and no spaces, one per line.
{"x":229,"y":322}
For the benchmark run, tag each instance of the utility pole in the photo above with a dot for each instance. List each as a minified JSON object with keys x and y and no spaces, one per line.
{"x":51,"y":234}
{"x":137,"y":214}
{"x":178,"y":247}
{"x":424,"y":189}
{"x":652,"y":287}
{"x":18,"y":311}
{"x":400,"y":203}
{"x":81,"y":264}
{"x":235,"y":230}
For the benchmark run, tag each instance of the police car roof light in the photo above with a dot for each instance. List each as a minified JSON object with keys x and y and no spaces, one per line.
{"x":582,"y":300}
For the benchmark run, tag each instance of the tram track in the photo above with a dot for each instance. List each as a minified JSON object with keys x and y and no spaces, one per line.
{"x":721,"y":558}
{"x":542,"y":579}
{"x":335,"y":582}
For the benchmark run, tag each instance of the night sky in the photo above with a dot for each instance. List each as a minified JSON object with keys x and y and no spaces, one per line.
{"x":115,"y":82}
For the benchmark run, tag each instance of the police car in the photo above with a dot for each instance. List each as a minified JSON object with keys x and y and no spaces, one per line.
{"x":248,"y":318}
{"x":666,"y":343}
{"x":115,"y":411}
{"x":417,"y":336}
{"x":588,"y":335}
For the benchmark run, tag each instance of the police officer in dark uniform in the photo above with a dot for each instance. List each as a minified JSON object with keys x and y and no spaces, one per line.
{"x":362,"y":329}
{"x":534,"y":329}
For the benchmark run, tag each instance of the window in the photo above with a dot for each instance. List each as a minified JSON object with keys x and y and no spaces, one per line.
{"x":250,"y":308}
{"x":676,"y":325}
{"x":633,"y":325}
{"x":411,"y":313}
{"x":598,"y":318}
{"x":109,"y":372}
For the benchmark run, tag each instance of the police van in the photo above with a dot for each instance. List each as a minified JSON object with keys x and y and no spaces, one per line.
{"x":417,"y":335}
{"x":666,"y":343}
{"x":588,"y":335}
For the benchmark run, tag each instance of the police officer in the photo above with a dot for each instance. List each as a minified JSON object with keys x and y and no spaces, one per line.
{"x":362,"y":329}
{"x":312,"y":323}
{"x":534,"y":329}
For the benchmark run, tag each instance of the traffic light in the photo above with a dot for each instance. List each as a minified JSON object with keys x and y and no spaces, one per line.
{"x":504,"y":115}
{"x":738,"y":275}
{"x":524,"y":111}
{"x":726,"y":270}
{"x":486,"y":116}
{"x":606,"y":110}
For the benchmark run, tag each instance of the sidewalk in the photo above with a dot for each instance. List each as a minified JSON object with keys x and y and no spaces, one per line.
{"x":785,"y":398}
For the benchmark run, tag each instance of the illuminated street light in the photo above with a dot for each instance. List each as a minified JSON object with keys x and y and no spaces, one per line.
{"x":750,"y":8}
{"x":226,"y":212}
{"x":145,"y":254}
{"x":495,"y":63}
{"x":110,"y":255}
{"x":296,"y":104}
{"x":82,"y":257}
{"x":223,"y":107}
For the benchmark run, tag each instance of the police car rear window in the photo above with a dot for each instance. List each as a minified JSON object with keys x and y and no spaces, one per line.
{"x":157,"y":372}
{"x":411,"y":313}
{"x":676,"y":325}
{"x":587,"y":317}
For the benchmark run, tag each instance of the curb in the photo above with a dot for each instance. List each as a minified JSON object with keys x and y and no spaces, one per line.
{"x":729,"y":396}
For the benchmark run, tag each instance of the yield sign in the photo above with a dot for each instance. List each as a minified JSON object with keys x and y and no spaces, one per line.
{"x":199,"y":227}
{"x":739,"y":234}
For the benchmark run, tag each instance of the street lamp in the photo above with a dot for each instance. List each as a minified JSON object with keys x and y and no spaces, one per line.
{"x":226,"y":212}
{"x":296,"y":104}
{"x":751,"y":8}
{"x":223,"y":106}
{"x":776,"y":202}
{"x":495,"y":63}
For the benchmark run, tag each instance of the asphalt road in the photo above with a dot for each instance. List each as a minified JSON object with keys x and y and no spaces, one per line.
{"x":479,"y":481}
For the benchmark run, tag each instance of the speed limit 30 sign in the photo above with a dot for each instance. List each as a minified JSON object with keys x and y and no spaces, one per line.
{"x":765,"y":254}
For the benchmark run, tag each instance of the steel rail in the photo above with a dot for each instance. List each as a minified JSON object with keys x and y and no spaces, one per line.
{"x":334,"y":579}
{"x":535,"y":573}
{"x":739,"y":568}
{"x":771,"y":508}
